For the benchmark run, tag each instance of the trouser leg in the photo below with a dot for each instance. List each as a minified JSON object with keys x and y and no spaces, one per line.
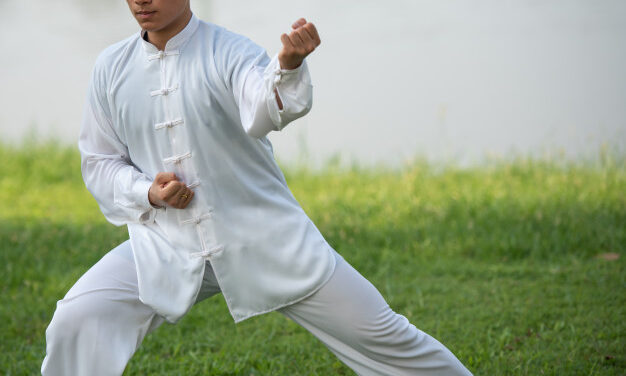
{"x":352,"y":319}
{"x":100,"y":323}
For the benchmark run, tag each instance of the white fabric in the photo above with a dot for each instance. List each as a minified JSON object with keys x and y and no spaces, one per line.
{"x":353,"y":320}
{"x":101,"y":322}
{"x":201,"y":109}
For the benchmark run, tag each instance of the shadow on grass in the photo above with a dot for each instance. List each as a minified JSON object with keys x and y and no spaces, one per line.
{"x":510,"y":268}
{"x":39,"y":262}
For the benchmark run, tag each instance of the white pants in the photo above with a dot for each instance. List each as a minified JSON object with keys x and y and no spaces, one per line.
{"x":100,"y":323}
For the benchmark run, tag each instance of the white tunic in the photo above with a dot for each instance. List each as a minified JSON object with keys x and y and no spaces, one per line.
{"x":201,"y":109}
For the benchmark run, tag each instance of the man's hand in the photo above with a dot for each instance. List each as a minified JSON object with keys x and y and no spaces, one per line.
{"x":167,"y":190}
{"x":298,"y":44}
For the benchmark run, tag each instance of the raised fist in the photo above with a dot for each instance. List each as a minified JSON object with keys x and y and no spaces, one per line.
{"x":298,"y":44}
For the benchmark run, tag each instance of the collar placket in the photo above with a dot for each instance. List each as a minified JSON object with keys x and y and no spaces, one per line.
{"x":176,"y":128}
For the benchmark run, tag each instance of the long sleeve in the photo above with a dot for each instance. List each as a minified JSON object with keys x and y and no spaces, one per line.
{"x":254,"y":79}
{"x":259,"y":109}
{"x":120,"y":189}
{"x":184,"y":110}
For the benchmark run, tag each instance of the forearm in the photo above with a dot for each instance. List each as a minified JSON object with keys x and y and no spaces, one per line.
{"x":287,"y":93}
{"x":274,"y":98}
{"x":120,"y":189}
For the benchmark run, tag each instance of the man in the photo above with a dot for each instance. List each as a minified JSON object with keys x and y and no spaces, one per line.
{"x":173,"y":145}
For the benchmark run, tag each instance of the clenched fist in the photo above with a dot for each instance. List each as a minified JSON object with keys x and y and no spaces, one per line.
{"x":298,"y":44}
{"x":167,"y":190}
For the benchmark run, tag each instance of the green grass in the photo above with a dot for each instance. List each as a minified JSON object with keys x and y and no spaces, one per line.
{"x":498,"y":262}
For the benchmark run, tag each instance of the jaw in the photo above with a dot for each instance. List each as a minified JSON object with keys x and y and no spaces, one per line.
{"x":150,"y":22}
{"x":150,"y":26}
{"x":156,"y":23}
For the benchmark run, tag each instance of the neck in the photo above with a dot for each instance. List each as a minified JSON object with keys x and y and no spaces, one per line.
{"x":160,"y":37}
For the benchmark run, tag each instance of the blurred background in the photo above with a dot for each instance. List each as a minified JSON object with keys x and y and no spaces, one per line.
{"x":449,"y":80}
{"x":516,"y":264}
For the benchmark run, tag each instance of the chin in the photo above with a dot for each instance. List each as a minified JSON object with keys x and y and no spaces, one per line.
{"x":149,"y":26}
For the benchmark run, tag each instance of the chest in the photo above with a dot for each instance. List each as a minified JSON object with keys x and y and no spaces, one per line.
{"x":166,"y":100}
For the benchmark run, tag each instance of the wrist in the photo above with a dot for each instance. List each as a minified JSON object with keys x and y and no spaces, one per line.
{"x":289,"y":64}
{"x":155,"y":203}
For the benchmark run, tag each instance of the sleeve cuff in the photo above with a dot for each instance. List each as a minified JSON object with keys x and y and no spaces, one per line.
{"x":135,"y":201}
{"x":142,"y":187}
{"x":294,"y":89}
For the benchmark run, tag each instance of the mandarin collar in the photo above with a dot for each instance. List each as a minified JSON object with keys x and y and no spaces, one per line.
{"x":176,"y":41}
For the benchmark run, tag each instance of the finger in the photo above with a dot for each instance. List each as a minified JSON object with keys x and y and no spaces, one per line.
{"x":187,"y":200}
{"x":164,"y":177}
{"x":298,"y":24}
{"x":172,"y":191}
{"x":189,"y":195}
{"x":185,"y":194}
{"x":286,"y":41}
{"x":304,"y":35}
{"x":180,"y":198}
{"x":309,"y":43}
{"x":312,"y":31}
{"x":298,"y":42}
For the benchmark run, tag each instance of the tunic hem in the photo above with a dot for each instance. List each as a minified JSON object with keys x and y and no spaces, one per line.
{"x":334,"y":255}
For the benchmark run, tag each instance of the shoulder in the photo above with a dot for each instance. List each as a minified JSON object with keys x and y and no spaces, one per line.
{"x":111,"y":57}
{"x":216,"y":32}
{"x":225,"y":40}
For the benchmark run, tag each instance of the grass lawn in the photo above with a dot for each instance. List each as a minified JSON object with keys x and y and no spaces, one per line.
{"x":505,"y":264}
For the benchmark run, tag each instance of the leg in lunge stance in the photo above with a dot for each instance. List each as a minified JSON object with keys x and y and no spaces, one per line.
{"x":150,"y":142}
{"x":352,"y":319}
{"x":101,"y":322}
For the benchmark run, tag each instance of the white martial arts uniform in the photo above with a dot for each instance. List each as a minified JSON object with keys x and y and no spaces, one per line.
{"x":201,"y":108}
{"x":193,"y":109}
{"x":101,"y":322}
